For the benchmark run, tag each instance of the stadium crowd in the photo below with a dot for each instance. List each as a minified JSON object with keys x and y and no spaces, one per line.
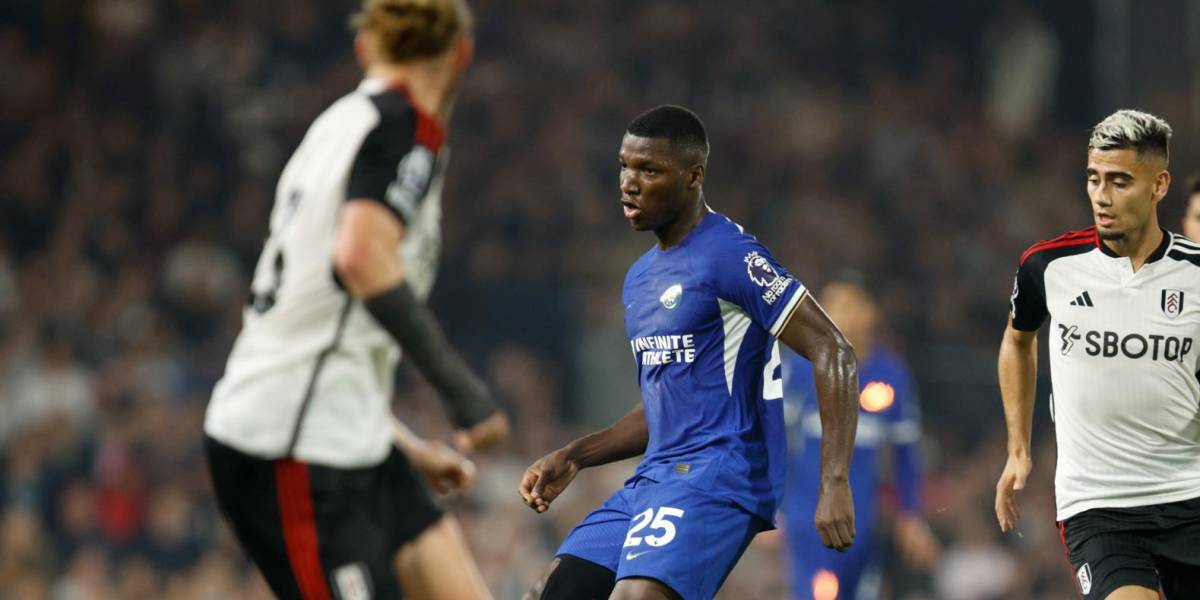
{"x":142,"y":140}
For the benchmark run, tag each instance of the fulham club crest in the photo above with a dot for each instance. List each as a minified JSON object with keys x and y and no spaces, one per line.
{"x":1172,"y":303}
{"x":1084,"y":575}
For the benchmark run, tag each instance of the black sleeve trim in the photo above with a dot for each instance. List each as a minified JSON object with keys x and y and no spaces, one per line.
{"x":1185,"y":256}
{"x":1028,"y":302}
{"x":396,"y":163}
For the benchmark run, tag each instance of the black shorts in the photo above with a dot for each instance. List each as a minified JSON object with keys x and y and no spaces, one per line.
{"x":1146,"y":545}
{"x":321,"y":533}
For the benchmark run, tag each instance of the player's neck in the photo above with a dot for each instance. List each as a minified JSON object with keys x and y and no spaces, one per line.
{"x":425,"y":87}
{"x":673,"y":233}
{"x":1139,"y":245}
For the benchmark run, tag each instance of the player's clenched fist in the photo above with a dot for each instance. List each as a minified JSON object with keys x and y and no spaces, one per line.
{"x":835,"y":515}
{"x":545,"y":479}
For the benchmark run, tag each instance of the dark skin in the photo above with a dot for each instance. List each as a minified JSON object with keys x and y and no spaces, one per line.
{"x":661,"y":187}
{"x":661,"y":192}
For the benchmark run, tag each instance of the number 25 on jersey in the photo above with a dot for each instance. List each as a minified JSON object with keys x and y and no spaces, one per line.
{"x":661,"y":521}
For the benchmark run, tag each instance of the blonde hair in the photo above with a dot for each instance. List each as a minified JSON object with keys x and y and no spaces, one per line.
{"x":408,"y":30}
{"x":1141,"y":131}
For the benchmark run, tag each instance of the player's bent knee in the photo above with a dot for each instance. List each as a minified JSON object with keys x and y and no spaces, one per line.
{"x":1132,"y":592}
{"x":643,"y":588}
{"x":535,"y":593}
{"x":570,"y":578}
{"x":423,"y":565}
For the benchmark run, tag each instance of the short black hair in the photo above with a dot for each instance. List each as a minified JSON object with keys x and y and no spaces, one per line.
{"x":1193,"y":185}
{"x":681,"y":126}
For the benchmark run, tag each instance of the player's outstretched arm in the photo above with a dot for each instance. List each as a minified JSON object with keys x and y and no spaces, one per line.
{"x":810,"y":332}
{"x":367,"y":263}
{"x":545,"y":479}
{"x":1018,"y":373}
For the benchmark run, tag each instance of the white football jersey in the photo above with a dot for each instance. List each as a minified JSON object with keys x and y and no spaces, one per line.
{"x":1123,"y":364}
{"x":310,"y":375}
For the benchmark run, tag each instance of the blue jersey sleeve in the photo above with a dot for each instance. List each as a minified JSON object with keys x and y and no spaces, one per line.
{"x":748,"y":276}
{"x":906,"y":443}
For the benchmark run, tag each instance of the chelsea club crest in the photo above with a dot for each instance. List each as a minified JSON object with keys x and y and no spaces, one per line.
{"x":670,"y":298}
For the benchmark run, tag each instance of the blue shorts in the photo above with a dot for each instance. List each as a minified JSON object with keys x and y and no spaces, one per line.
{"x":685,"y":538}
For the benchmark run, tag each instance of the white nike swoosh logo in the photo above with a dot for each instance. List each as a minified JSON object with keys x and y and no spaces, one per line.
{"x":633,"y":555}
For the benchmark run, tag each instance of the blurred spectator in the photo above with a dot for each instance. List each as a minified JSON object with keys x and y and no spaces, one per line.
{"x":1023,"y":57}
{"x":52,"y":385}
{"x":1191,"y":211}
{"x":976,"y":567}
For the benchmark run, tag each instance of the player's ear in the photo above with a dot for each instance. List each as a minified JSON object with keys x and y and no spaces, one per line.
{"x":696,"y":177}
{"x":464,"y":52}
{"x":360,"y":48}
{"x":1162,"y":183}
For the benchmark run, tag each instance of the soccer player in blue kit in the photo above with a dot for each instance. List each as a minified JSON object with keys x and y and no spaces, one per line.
{"x":889,"y":416}
{"x":703,"y":310}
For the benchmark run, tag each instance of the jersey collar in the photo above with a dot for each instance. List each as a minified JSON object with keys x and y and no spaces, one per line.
{"x":428,"y":125}
{"x":1158,"y":253}
{"x":373,"y":85}
{"x":709,"y":219}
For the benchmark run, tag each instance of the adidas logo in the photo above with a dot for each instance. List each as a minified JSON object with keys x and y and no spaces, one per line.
{"x":1082,"y":300}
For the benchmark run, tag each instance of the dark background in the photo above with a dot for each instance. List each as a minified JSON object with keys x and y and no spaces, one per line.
{"x":925,"y":143}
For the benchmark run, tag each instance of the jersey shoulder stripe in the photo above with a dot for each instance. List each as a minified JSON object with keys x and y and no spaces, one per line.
{"x":396,"y":163}
{"x":1072,"y":239}
{"x":1182,"y":243}
{"x":1183,"y":249}
{"x":395,"y":105}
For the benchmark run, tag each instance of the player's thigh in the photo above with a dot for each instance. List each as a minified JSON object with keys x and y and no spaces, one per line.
{"x":1178,"y":550}
{"x":438,"y":565}
{"x":1179,"y":566}
{"x":1133,"y":592}
{"x":364,"y":517}
{"x":599,"y":536}
{"x":641,"y":588}
{"x":686,"y":539}
{"x":1179,"y":580}
{"x":401,"y":501}
{"x":245,"y":490}
{"x":573,"y":578}
{"x":585,"y":564}
{"x":1106,"y":561}
{"x":389,"y":508}
{"x":352,"y":544}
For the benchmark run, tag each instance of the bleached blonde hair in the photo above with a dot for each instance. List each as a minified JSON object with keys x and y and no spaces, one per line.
{"x":1135,"y":129}
{"x":408,"y":30}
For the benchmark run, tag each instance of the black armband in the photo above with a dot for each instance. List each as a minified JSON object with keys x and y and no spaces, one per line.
{"x":413,"y":325}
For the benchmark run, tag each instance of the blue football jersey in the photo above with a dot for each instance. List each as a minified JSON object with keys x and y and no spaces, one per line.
{"x":702,"y":318}
{"x":888,"y":416}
